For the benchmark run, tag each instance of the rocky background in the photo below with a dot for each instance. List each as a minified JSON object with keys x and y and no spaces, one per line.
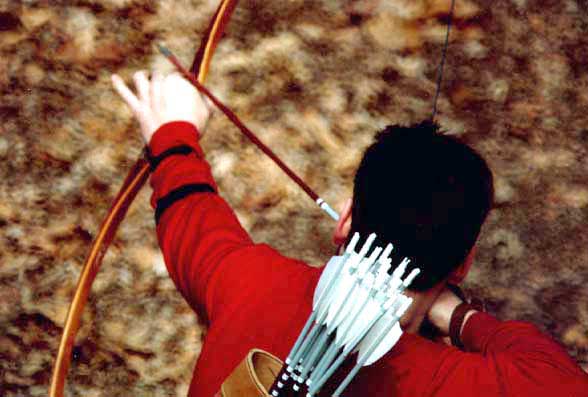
{"x":316,"y":80}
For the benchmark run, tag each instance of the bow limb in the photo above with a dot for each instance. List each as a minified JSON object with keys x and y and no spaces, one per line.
{"x":213,"y":34}
{"x":132,"y":184}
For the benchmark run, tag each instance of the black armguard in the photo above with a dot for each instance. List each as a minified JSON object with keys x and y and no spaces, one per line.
{"x":155,"y":160}
{"x":177,"y":194}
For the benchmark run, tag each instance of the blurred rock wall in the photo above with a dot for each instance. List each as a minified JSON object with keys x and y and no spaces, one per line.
{"x":316,"y":80}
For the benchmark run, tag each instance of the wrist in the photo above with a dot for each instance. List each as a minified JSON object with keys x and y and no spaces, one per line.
{"x":173,"y":133}
{"x":442,"y":310}
{"x":173,"y":138}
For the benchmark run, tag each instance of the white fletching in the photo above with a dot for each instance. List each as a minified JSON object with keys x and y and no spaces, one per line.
{"x":381,"y":339}
{"x":361,"y":300}
{"x":386,"y":254}
{"x":411,"y":277}
{"x":388,"y":343}
{"x":399,"y":271}
{"x":367,"y":245}
{"x":351,"y":246}
{"x":373,"y":309}
{"x":337,"y":298}
{"x":358,"y":302}
{"x":330,"y":273}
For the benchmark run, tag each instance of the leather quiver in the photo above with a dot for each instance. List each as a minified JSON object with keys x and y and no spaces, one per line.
{"x":253,"y":376}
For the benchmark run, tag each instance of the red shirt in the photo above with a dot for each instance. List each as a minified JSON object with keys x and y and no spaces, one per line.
{"x":251,"y":296}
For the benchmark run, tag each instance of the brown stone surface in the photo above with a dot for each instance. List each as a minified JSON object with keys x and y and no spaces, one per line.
{"x":315,"y":80}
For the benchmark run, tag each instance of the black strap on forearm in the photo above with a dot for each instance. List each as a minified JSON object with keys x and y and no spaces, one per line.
{"x":177,"y":194}
{"x":155,"y":160}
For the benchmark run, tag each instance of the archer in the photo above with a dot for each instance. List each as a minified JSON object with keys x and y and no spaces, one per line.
{"x":428,"y":192}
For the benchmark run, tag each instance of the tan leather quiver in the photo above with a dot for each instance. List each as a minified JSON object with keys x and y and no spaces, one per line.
{"x":253,"y":376}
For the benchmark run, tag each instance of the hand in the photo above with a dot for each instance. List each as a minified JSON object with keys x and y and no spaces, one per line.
{"x":440,"y":312}
{"x":161,"y":100}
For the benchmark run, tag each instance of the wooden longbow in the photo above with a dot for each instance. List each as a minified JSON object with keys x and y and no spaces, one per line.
{"x":132,"y":184}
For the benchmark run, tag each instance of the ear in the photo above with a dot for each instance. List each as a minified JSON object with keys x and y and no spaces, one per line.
{"x":343,"y":224}
{"x":459,"y":274}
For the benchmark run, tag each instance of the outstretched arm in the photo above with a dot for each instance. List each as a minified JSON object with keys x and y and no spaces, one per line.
{"x":197,"y":230}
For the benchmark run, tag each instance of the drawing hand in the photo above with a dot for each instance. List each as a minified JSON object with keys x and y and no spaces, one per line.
{"x":161,"y":100}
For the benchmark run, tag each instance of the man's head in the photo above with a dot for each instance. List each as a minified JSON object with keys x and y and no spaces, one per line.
{"x":426,"y":193}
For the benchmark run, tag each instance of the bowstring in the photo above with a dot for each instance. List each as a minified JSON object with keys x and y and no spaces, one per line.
{"x":442,"y":63}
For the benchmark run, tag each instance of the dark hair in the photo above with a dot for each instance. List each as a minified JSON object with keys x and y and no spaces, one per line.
{"x":426,"y":193}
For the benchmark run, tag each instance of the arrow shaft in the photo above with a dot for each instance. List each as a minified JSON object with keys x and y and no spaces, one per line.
{"x":322,"y":365}
{"x":249,"y":134}
{"x":360,"y":363}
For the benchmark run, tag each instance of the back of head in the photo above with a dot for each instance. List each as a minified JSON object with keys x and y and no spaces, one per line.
{"x":427,"y":193}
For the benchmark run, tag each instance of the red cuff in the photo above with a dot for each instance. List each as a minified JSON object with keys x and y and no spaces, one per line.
{"x":177,"y":171}
{"x":477,"y":329}
{"x":175,"y":133}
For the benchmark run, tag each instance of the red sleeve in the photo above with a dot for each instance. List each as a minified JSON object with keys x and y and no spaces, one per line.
{"x":198,"y":232}
{"x":511,"y":358}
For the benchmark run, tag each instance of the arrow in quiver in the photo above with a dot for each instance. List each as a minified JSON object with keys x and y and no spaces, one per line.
{"x":356,"y":307}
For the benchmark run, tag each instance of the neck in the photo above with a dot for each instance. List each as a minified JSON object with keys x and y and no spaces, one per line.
{"x":413,"y":324}
{"x":422,"y":302}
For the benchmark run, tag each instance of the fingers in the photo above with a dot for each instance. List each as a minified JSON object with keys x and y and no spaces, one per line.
{"x":163,"y":99}
{"x":156,"y":91}
{"x":142,"y":85}
{"x":126,"y":93}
